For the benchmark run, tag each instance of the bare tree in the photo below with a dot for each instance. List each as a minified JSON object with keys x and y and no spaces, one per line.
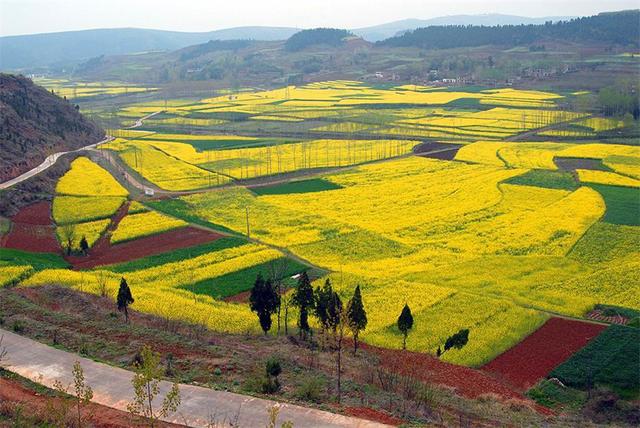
{"x":277,"y":271}
{"x":68,"y":235}
{"x":101,"y":279}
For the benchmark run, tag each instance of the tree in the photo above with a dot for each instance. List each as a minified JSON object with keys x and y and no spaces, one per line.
{"x":277,"y":271}
{"x":286,"y":302}
{"x":146,"y":386}
{"x":303,"y":299}
{"x":68,"y":235}
{"x":84,"y":245}
{"x":341,"y":324}
{"x":264,"y":301}
{"x":334,"y":312}
{"x":405,"y":323}
{"x":323,"y":296}
{"x":124,"y":298}
{"x":83,"y":392}
{"x":357,"y":316}
{"x":458,"y":341}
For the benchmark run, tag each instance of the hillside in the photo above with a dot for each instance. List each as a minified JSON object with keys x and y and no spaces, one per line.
{"x":35,"y":123}
{"x":395,"y":28}
{"x":62,"y":48}
{"x":609,"y":28}
{"x":72,"y":46}
{"x":477,"y":54}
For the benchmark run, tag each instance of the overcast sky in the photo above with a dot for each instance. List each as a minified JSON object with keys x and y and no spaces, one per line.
{"x":42,"y":16}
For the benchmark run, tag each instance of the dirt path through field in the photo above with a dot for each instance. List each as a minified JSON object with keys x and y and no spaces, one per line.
{"x":112,"y":387}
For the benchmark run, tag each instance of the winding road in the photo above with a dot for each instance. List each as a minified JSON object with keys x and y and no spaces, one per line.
{"x":48,"y":162}
{"x":200,"y":407}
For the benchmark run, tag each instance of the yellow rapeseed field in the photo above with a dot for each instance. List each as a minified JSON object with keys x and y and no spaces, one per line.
{"x":135,"y":226}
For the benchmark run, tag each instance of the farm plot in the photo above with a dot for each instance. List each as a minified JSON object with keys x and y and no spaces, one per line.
{"x":162,"y":169}
{"x":165,"y":289}
{"x":32,"y":230}
{"x":135,"y":226}
{"x":610,"y":360}
{"x":273,"y":159}
{"x":537,"y":355}
{"x":383,"y":224}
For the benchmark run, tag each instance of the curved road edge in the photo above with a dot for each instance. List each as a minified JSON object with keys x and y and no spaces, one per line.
{"x":200,"y":407}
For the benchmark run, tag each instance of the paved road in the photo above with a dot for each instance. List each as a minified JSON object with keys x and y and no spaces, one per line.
{"x":200,"y":406}
{"x":48,"y":162}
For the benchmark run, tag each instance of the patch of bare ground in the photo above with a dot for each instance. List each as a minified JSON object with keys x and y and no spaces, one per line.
{"x":32,"y":229}
{"x":571,"y":164}
{"x":435,"y":150}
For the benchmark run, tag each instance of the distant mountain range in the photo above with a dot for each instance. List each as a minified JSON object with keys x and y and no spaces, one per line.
{"x":38,"y":50}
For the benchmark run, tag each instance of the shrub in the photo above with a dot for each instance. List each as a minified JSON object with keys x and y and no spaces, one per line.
{"x":311,"y":389}
{"x":18,"y":326}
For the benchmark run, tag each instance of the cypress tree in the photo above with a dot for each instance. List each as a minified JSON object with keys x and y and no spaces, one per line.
{"x":322,"y":300}
{"x":264,"y":301}
{"x":405,"y":323}
{"x":304,"y":300}
{"x":356,"y":316}
{"x":124,"y":298}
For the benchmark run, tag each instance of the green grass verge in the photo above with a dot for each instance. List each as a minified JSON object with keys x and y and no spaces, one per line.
{"x":623,"y":204}
{"x":549,"y":394}
{"x":546,"y":179}
{"x":175,"y":256}
{"x":611,"y":360}
{"x":237,"y":282}
{"x":38,"y":261}
{"x":302,"y":186}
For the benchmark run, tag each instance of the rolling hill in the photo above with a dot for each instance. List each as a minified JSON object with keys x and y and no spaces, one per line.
{"x":35,"y":123}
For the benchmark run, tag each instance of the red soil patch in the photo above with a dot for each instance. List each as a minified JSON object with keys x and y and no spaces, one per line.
{"x":38,"y":213}
{"x":537,"y":355}
{"x":103,"y":253}
{"x":13,"y":392}
{"x":466,"y":381}
{"x":372,"y":415}
{"x":32,"y":230}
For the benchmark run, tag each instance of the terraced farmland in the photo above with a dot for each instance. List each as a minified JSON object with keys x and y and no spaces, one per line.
{"x":514,"y":229}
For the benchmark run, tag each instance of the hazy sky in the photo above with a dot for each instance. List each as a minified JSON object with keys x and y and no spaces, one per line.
{"x":41,"y":16}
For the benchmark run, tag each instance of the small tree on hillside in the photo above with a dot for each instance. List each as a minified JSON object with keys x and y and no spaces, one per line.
{"x":405,"y":323}
{"x":458,"y":341}
{"x":357,"y":316}
{"x":334,"y":312}
{"x":146,"y":386}
{"x":264,"y":301}
{"x":124,"y":299}
{"x":338,"y":322}
{"x":82,"y":392}
{"x":303,"y":299}
{"x":277,"y":272}
{"x":68,"y":235}
{"x":323,"y":296}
